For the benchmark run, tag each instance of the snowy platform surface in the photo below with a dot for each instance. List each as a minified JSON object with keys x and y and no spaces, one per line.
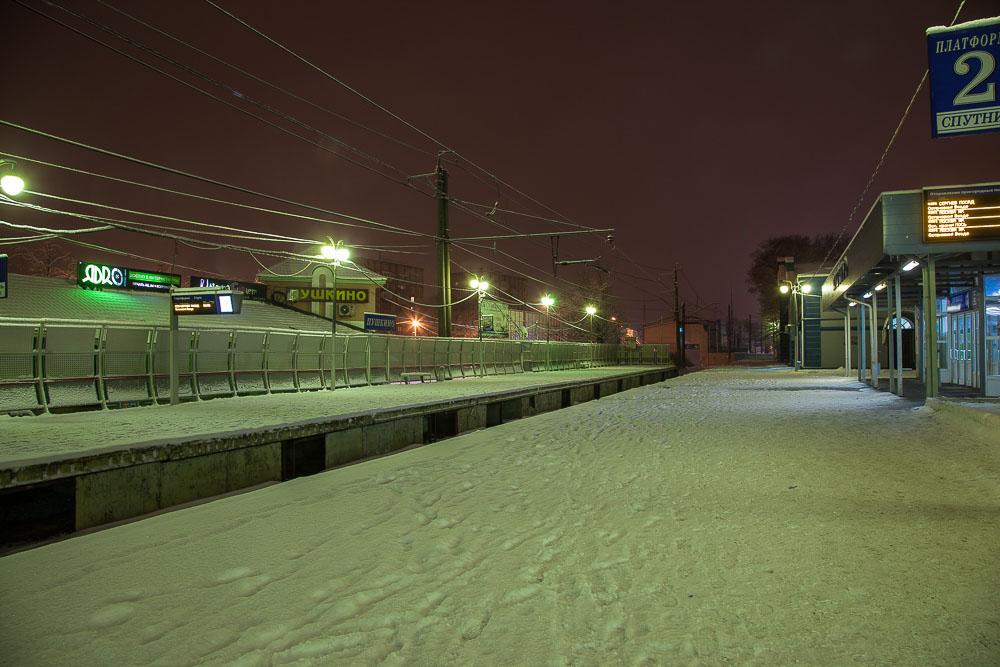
{"x":723,"y":517}
{"x":30,"y":440}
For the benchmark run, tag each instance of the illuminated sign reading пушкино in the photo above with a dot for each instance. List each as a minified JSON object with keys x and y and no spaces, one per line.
{"x":962,"y":214}
{"x":96,"y":276}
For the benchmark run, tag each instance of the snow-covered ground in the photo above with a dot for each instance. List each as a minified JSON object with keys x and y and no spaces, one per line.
{"x":32,"y":439}
{"x":724,"y":517}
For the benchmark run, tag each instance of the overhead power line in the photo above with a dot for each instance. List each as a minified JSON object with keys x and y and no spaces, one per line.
{"x":404,"y":181}
{"x":221,"y":184}
{"x":885,"y":153}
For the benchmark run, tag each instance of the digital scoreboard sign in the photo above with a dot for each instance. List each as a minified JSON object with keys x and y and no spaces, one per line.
{"x":962,"y":214}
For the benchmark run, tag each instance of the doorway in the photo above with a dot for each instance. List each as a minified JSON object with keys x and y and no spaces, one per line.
{"x":964,"y":348}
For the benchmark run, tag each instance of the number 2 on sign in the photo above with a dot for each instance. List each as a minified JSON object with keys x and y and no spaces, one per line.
{"x":987,"y":65}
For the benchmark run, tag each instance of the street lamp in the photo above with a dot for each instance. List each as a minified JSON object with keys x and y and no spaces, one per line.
{"x":336,"y":253}
{"x":480,"y":286}
{"x":591,"y":311}
{"x":547,"y":301}
{"x":11,"y":183}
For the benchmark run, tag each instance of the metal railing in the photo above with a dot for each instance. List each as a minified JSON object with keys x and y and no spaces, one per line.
{"x":69,"y":364}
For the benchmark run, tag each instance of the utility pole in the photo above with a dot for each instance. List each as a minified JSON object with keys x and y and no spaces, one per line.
{"x":683,"y":333}
{"x":677,"y":318}
{"x":729,"y":331}
{"x":443,"y":252}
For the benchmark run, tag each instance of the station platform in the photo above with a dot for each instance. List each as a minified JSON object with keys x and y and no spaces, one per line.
{"x":63,"y":473}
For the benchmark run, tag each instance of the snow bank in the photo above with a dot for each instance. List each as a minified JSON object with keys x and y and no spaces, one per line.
{"x":723,"y":517}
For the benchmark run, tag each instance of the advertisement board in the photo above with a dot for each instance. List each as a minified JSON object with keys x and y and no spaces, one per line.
{"x":98,"y":276}
{"x":962,"y":61}
{"x":255,"y":291}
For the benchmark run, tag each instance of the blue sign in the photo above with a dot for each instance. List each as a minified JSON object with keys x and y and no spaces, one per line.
{"x":992,"y":285}
{"x":377,"y":322}
{"x":964,"y":77}
{"x":959,"y":302}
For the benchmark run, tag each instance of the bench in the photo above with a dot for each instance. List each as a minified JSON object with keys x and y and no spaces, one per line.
{"x":409,"y":375}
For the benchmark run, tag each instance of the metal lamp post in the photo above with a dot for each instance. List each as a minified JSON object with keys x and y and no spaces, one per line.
{"x":547,"y":301}
{"x":592,"y":311}
{"x":480,"y":286}
{"x":336,"y":253}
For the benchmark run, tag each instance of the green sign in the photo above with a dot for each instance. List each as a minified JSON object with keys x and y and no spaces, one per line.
{"x":99,"y":276}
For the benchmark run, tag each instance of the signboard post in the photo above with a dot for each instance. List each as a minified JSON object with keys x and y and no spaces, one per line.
{"x":962,"y":61}
{"x":196,"y":301}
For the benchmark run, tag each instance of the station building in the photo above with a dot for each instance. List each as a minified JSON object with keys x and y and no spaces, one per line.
{"x":918,"y":287}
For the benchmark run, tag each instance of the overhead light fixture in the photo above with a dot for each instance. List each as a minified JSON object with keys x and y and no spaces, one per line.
{"x":11,"y":183}
{"x":879,"y":288}
{"x":912,"y":264}
{"x":851,"y":304}
{"x":867,"y":295}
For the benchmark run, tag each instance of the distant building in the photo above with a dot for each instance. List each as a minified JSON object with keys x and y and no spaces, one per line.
{"x":306,"y":286}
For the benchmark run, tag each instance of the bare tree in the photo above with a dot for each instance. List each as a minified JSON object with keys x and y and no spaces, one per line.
{"x":44,"y":258}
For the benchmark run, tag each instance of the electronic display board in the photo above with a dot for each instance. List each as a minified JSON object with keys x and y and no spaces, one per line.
{"x":962,"y":214}
{"x":207,"y":303}
{"x":95,"y":276}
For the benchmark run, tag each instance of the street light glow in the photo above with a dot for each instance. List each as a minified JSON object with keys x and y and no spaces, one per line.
{"x":783,"y":289}
{"x":12,"y":184}
{"x":806,"y":288}
{"x":591,"y":310}
{"x":337,"y":253}
{"x":547,"y":301}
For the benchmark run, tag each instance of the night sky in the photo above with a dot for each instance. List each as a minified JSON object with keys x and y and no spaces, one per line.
{"x":696,"y":130}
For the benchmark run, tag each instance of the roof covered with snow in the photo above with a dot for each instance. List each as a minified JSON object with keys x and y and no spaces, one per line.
{"x":297,"y":270}
{"x":37,"y":298}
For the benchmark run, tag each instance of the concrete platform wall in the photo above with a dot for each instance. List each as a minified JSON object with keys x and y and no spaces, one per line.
{"x":97,"y":489}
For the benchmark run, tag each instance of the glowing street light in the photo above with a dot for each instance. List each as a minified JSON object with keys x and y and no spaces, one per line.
{"x":548,"y":302}
{"x":591,"y":311}
{"x":480,"y":286}
{"x":11,"y":183}
{"x":336,"y":253}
